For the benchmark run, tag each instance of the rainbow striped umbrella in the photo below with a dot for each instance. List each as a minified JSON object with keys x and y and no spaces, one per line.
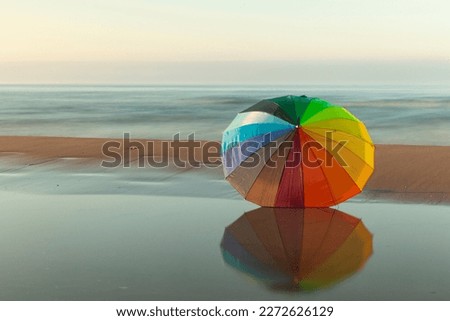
{"x":297,"y":249}
{"x":295,"y":151}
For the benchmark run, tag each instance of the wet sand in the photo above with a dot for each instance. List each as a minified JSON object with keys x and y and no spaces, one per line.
{"x":409,"y":173}
{"x":73,"y":230}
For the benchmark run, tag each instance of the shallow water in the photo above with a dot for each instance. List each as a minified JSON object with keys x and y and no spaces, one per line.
{"x":404,"y":115}
{"x":70,"y":233}
{"x":88,"y":247}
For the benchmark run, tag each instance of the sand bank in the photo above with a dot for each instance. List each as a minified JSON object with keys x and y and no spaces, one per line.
{"x":402,"y":172}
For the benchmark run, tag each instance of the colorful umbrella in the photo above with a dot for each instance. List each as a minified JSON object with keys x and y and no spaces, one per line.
{"x":296,"y":249}
{"x":296,"y":151}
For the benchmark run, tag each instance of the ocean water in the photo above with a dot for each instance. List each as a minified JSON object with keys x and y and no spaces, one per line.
{"x":403,"y":115}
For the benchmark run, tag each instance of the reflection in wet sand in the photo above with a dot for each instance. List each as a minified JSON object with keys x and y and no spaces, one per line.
{"x":297,"y":249}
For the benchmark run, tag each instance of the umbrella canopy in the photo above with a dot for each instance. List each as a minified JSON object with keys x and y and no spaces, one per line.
{"x":297,"y":249}
{"x":295,"y":151}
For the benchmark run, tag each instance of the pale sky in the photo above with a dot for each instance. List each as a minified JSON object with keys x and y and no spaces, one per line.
{"x":126,"y":33}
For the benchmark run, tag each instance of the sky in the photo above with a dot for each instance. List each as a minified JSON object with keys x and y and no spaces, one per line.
{"x":139,"y":41}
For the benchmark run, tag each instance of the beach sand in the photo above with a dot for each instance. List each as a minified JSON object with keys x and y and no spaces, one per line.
{"x":402,"y":172}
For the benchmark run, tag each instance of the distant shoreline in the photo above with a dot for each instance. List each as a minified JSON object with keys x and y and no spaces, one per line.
{"x":409,"y":173}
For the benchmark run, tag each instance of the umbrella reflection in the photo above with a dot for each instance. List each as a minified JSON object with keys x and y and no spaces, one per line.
{"x":297,"y":249}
